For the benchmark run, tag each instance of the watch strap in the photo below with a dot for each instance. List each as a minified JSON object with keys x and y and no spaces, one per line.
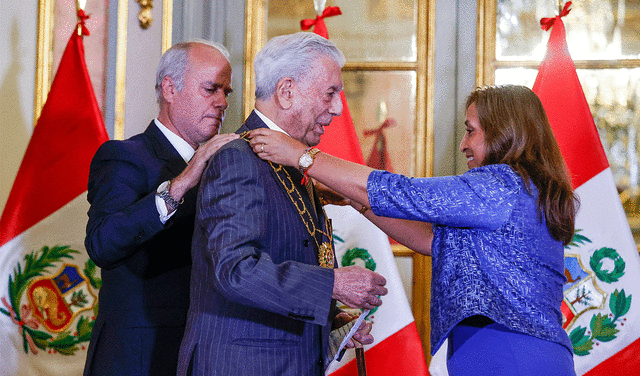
{"x":172,"y":204}
{"x":311,"y":154}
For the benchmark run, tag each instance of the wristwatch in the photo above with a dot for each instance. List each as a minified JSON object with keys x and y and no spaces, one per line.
{"x":306,"y":159}
{"x":163,"y":193}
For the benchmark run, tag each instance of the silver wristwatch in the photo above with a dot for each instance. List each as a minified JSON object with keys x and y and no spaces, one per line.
{"x":163,"y":193}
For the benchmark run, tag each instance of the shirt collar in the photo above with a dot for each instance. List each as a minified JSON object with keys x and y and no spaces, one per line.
{"x":270,"y":123}
{"x":182,"y":147}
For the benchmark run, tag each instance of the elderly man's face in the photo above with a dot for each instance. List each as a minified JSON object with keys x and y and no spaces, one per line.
{"x":197,"y":111}
{"x":317,"y":101}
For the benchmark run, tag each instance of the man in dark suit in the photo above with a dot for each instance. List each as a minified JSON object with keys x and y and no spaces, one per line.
{"x":263,"y":283}
{"x":142,"y":193}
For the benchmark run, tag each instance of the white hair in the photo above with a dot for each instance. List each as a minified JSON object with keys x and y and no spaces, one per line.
{"x":291,"y":56}
{"x":175,"y":60}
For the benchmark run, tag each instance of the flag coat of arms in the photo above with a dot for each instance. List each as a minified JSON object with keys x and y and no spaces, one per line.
{"x":397,"y":349}
{"x":601,"y":306}
{"x":48,"y":286}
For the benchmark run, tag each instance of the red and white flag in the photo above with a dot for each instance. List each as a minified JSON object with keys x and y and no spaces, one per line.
{"x":397,"y":349}
{"x":48,"y":286}
{"x":601,"y":307}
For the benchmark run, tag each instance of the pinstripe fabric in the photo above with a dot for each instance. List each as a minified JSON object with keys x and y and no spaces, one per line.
{"x":260,"y":304}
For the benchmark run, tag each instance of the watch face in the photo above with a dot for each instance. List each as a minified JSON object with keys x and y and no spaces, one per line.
{"x":305,"y":160}
{"x":163,"y":186}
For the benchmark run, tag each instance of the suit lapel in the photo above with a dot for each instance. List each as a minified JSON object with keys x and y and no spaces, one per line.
{"x":172,"y":165}
{"x":318,"y":216}
{"x":164,"y":150}
{"x":254,"y":122}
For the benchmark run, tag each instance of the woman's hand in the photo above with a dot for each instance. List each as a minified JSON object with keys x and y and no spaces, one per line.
{"x":276,"y":146}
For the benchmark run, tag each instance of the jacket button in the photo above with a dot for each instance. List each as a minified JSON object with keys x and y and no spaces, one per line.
{"x":305,"y":242}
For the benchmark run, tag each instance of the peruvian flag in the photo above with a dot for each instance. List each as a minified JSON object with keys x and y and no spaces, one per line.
{"x":397,"y":349}
{"x":48,"y":287}
{"x":601,"y":306}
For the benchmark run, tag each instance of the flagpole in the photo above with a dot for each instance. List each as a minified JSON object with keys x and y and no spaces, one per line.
{"x":362,"y":367}
{"x":80,"y":5}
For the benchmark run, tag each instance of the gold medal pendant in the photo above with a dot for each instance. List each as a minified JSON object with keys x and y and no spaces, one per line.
{"x":326,"y":256}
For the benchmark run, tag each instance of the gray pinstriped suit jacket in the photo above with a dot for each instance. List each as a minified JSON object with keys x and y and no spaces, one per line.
{"x":260,"y":304}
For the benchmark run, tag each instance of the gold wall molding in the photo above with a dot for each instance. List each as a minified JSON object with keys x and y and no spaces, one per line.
{"x":381,"y":66}
{"x":44,"y":56}
{"x":121,"y":58}
{"x":486,"y":46}
{"x":253,"y":42}
{"x":144,"y":15}
{"x":424,"y":159}
{"x":121,"y":70}
{"x":167,"y":24}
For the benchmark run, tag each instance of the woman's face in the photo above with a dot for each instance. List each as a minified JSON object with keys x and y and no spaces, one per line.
{"x":472,"y":144}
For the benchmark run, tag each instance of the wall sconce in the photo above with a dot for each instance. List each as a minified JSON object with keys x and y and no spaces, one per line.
{"x":144,"y":15}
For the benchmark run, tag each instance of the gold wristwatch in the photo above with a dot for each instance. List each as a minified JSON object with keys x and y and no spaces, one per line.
{"x":306,"y":159}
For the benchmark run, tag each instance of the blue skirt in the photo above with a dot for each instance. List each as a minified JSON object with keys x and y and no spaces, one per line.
{"x":495,"y":349}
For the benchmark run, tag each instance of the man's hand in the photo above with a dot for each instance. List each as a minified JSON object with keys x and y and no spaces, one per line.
{"x":191,"y":175}
{"x":358,"y":287}
{"x":361,"y":337}
{"x":342,"y":319}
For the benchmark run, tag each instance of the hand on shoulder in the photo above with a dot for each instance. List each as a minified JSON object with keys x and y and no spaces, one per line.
{"x":276,"y":146}
{"x":191,"y":175}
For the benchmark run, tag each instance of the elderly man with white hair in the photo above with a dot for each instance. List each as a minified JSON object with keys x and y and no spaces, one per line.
{"x":263,"y":284}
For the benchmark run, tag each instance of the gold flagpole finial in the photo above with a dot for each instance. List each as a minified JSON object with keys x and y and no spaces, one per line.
{"x":319,"y":5}
{"x":82,"y":17}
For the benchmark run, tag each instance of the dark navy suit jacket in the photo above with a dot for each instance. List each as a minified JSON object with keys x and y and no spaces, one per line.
{"x":260,"y":303}
{"x":145,"y":265}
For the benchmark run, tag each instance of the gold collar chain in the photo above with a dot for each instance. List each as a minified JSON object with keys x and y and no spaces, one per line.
{"x":326,"y":254}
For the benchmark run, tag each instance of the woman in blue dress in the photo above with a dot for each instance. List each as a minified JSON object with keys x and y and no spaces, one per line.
{"x":496,"y":234}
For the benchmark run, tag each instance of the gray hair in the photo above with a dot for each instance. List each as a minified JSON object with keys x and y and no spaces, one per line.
{"x":290,"y":56}
{"x":175,"y":60}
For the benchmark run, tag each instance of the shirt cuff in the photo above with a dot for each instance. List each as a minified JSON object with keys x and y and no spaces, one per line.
{"x":163,"y":211}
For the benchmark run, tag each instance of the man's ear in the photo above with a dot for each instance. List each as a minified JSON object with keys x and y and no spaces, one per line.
{"x":168,"y":89}
{"x":284,"y":92}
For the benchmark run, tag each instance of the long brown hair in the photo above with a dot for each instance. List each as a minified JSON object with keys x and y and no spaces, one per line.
{"x":517,"y":133}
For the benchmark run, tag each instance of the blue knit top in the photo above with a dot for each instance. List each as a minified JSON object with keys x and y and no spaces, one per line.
{"x":492,"y":254}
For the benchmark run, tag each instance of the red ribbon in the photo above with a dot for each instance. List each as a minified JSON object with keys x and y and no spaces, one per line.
{"x":547,"y":22}
{"x":328,"y":12}
{"x":83,"y":17}
{"x":389,"y":122}
{"x":25,"y":311}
